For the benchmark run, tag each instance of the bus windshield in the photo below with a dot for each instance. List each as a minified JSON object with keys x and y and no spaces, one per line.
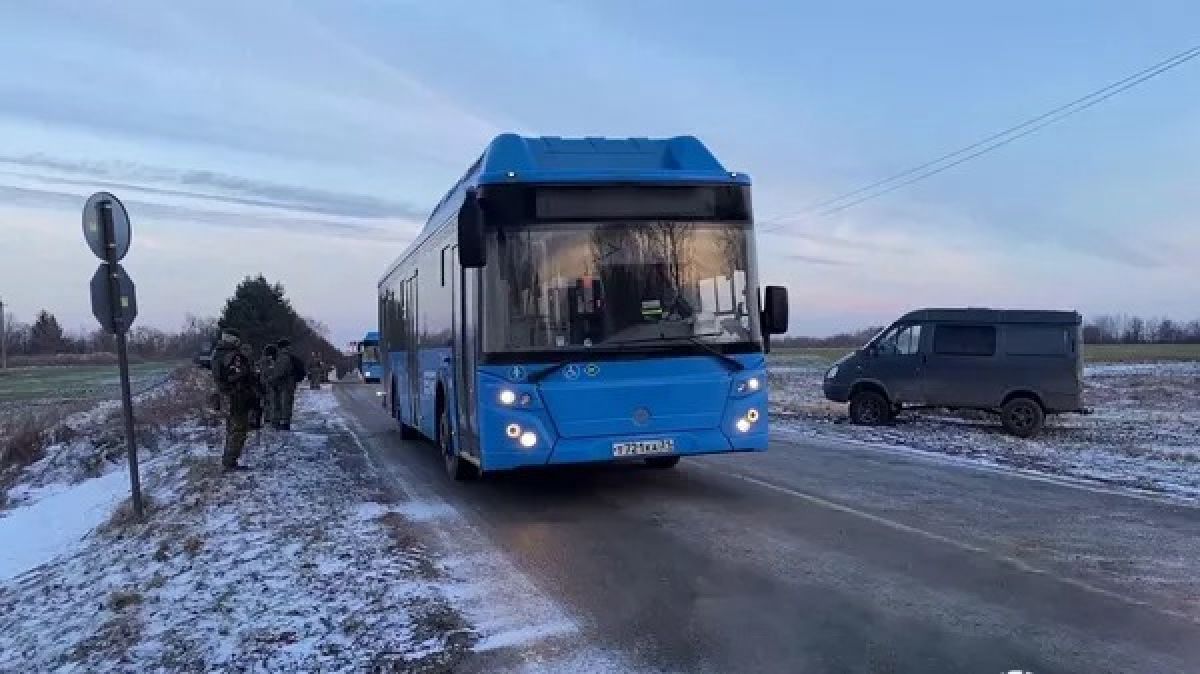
{"x":577,"y":286}
{"x":370,"y":353}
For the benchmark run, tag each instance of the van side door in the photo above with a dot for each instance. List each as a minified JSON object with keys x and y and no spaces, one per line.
{"x":962,"y":368}
{"x":895,"y":362}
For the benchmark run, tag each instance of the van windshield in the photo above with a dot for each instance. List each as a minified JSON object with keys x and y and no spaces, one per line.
{"x":898,"y":340}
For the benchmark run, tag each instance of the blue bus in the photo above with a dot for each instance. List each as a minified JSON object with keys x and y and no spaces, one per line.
{"x":582,"y":300}
{"x":368,"y":357}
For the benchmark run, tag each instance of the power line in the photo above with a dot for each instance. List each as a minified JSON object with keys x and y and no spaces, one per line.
{"x":994,"y":141}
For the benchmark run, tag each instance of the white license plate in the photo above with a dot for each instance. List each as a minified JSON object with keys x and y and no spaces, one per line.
{"x":643,"y":447}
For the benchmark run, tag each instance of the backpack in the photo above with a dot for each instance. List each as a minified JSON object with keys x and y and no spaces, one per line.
{"x":224,"y":385}
{"x":298,"y":370}
{"x":217,"y":363}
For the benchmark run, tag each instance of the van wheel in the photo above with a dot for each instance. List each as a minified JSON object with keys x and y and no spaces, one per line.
{"x":457,"y":467}
{"x":1023,"y":417}
{"x":662,"y":461}
{"x":869,"y":408}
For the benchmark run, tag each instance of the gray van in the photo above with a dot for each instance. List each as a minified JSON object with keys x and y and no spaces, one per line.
{"x":1022,"y":365}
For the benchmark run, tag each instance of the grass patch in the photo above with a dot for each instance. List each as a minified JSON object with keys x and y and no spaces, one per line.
{"x":67,"y":382}
{"x":22,"y":439}
{"x":120,"y":600}
{"x":814,"y":355}
{"x":1140,"y":353}
{"x":123,"y":517}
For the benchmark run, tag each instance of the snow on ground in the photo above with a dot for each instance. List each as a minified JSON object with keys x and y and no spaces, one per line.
{"x":1145,"y":433}
{"x":56,"y":522}
{"x":310,"y":561}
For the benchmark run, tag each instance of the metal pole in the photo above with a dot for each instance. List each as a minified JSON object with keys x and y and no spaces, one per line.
{"x":104,"y":214}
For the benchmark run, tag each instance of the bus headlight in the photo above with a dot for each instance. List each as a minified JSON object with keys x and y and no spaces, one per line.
{"x":749,"y":385}
{"x":507,"y":397}
{"x":528,"y":439}
{"x":513,"y":431}
{"x":832,"y":372}
{"x":742,"y":425}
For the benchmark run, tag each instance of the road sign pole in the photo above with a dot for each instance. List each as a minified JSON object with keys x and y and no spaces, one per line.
{"x":104,"y":217}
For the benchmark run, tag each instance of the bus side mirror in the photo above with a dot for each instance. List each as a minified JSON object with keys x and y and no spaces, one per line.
{"x":471,"y":251}
{"x":775,"y":310}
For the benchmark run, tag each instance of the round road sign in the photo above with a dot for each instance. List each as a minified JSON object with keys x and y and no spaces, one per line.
{"x":92,"y":230}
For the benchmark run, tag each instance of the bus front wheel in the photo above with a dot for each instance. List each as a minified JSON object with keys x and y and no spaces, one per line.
{"x":457,"y":467}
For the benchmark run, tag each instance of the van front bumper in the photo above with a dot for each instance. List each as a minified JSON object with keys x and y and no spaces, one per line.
{"x":836,"y":391}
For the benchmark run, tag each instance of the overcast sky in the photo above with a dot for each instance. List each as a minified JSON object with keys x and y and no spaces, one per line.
{"x":308,"y":141}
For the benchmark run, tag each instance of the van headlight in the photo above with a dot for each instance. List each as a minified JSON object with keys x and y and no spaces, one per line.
{"x":832,"y":372}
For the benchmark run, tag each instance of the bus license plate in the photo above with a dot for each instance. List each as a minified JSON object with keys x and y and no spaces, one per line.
{"x":643,"y":447}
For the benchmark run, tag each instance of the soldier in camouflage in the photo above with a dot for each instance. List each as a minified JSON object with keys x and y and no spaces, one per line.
{"x":316,"y":371}
{"x":226,"y":344}
{"x":236,"y":381}
{"x":289,"y":370}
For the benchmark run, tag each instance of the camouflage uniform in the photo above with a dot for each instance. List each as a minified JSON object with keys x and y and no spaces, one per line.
{"x":238,"y":380}
{"x":316,"y":368}
{"x":283,"y":381}
{"x":266,"y":369}
{"x":256,"y":402}
{"x":225,"y":346}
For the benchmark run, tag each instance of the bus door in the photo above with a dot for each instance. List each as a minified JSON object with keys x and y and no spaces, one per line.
{"x":463,"y":299}
{"x":412,"y":356}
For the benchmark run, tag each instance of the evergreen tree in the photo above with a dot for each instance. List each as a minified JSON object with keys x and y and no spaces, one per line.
{"x":46,"y":335}
{"x":261,"y":313}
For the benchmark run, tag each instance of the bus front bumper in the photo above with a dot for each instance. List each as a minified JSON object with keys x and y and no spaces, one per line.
{"x":603,"y":449}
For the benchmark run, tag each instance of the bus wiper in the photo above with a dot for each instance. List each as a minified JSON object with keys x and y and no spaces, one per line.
{"x":547,"y":371}
{"x":728,"y":361}
{"x":659,"y":342}
{"x":555,"y":367}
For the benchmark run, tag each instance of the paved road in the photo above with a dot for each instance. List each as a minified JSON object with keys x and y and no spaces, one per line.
{"x":827,"y":557}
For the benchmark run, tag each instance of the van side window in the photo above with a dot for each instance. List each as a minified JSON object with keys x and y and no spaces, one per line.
{"x":901,"y":341}
{"x":965,"y":340}
{"x":1037,"y":340}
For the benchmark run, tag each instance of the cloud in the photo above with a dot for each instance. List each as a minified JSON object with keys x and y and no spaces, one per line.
{"x":340,"y":228}
{"x":245,"y":191}
{"x":1109,"y":248}
{"x":858,"y":242}
{"x":815,"y":259}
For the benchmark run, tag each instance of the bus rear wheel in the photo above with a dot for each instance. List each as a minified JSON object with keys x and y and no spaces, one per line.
{"x":457,"y":467}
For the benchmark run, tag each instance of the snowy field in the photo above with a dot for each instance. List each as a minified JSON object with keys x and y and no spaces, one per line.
{"x":307,"y":562}
{"x":1145,"y":433}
